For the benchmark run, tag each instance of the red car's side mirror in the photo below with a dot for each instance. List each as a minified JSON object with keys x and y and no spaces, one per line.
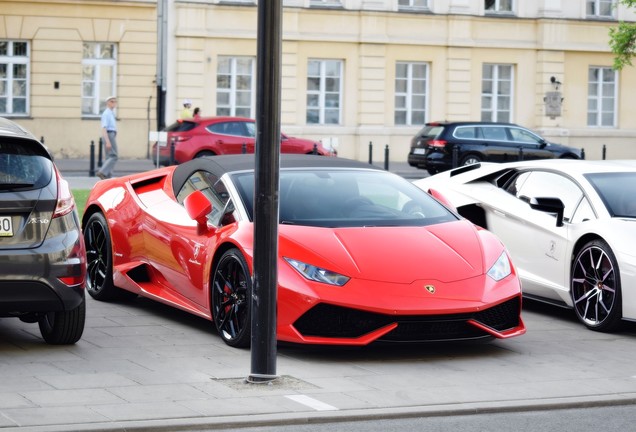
{"x":198,"y":207}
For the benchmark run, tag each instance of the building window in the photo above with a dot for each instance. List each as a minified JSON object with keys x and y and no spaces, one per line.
{"x":496,"y":93}
{"x":496,"y":6}
{"x":601,"y":98}
{"x":411,"y":85}
{"x":235,"y":86}
{"x":99,"y":70}
{"x":324,"y":90}
{"x":14,"y":77}
{"x":325,"y":3}
{"x":413,"y":5}
{"x":600,"y":8}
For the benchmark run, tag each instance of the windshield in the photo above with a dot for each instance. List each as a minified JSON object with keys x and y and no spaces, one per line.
{"x":348,"y":198}
{"x":617,"y":192}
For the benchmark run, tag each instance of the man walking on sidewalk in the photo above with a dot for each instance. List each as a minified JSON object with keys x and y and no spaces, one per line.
{"x":109,"y":138}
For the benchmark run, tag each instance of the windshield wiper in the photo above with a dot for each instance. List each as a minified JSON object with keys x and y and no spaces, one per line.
{"x":14,"y":186}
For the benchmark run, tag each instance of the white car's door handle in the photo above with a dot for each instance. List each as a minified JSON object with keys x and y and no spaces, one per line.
{"x":499,"y":213}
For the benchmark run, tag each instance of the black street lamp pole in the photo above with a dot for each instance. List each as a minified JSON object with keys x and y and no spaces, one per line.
{"x":264,"y":288}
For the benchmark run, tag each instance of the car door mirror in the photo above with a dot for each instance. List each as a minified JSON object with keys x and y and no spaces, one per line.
{"x":198,"y":207}
{"x":548,"y":205}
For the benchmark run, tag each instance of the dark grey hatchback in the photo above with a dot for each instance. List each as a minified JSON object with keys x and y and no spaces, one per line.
{"x":42,"y":253}
{"x":440,"y":146}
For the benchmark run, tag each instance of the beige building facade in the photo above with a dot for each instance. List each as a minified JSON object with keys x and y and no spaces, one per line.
{"x":354,"y":72}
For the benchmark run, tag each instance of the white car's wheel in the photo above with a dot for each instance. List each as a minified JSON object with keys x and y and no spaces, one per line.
{"x":596,"y":287}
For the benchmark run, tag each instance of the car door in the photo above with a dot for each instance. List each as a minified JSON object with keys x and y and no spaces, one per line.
{"x":497,"y":145}
{"x":193,"y":249}
{"x":532,"y":145}
{"x":174,"y":249}
{"x":538,"y":247}
{"x":232,"y":137}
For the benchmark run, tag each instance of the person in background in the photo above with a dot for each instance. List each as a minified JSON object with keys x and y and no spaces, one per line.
{"x":186,"y":112}
{"x":196,"y":113}
{"x":109,"y":138}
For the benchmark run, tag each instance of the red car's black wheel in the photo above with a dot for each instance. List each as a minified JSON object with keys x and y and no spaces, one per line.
{"x":99,"y":261}
{"x":231,"y":288}
{"x":596,"y":287}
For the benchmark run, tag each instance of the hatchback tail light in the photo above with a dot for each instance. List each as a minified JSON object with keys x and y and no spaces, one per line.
{"x":65,"y":200}
{"x":437,"y":143}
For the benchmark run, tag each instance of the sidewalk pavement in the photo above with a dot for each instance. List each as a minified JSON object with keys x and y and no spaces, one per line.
{"x":142,"y":366}
{"x":77,"y":171}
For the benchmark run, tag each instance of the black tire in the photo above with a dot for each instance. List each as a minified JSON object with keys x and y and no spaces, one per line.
{"x":99,"y":261}
{"x":470,"y":159}
{"x":204,"y":153}
{"x":231,"y":297}
{"x":63,"y":328}
{"x":596,"y":287}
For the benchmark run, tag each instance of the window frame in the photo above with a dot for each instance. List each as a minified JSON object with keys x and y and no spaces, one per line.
{"x":10,"y":61}
{"x":322,"y":93}
{"x":98,"y":100}
{"x":325,"y":4}
{"x":596,"y":12}
{"x":497,"y":8}
{"x":233,"y":91}
{"x":599,"y":97}
{"x":409,"y":95}
{"x":411,"y":6}
{"x":494,"y":109}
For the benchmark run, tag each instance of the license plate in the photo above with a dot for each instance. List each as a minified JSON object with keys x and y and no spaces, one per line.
{"x":419,"y":151}
{"x":6,"y":226}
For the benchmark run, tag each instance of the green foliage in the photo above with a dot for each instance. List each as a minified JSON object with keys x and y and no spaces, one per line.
{"x":80,"y":195}
{"x":623,"y":40}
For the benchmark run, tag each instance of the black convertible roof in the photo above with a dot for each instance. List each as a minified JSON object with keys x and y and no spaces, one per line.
{"x":220,"y":165}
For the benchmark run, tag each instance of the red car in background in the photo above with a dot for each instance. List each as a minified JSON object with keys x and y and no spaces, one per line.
{"x":210,"y":136}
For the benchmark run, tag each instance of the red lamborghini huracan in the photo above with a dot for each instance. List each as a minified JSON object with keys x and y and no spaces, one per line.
{"x":364,"y":255}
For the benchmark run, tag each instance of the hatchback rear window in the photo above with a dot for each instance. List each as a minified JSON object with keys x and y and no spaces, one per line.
{"x":431,"y":131}
{"x":22,"y":167}
{"x":181,"y":126}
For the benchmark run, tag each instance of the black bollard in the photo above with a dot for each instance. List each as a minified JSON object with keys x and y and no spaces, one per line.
{"x":99,"y":153}
{"x":370,"y":152}
{"x":455,"y":156}
{"x":604,"y":151}
{"x":582,"y":153}
{"x":172,"y":148}
{"x":244,"y":148}
{"x":91,"y":162}
{"x":386,"y":158}
{"x":520,"y":153}
{"x":315,"y":150}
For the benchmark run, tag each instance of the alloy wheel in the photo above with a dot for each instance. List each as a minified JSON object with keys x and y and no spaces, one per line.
{"x":595,"y":289}
{"x":230,"y":299}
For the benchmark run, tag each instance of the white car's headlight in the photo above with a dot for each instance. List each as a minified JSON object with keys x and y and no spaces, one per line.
{"x":501,"y":268}
{"x":318,"y":274}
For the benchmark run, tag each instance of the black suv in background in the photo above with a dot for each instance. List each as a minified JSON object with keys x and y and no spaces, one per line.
{"x":433,"y":147}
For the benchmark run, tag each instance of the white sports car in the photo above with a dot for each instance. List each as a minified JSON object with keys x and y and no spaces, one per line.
{"x":569,"y":225}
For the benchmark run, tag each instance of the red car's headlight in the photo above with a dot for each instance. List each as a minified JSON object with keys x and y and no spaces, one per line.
{"x":317,"y":274}
{"x":501,"y":268}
